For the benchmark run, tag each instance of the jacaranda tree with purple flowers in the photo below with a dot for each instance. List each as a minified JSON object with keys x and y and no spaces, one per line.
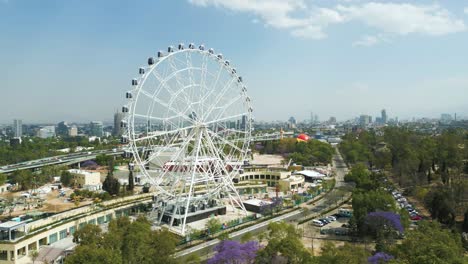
{"x":234,"y":252}
{"x":380,"y":258}
{"x":385,"y":221}
{"x":384,"y":227}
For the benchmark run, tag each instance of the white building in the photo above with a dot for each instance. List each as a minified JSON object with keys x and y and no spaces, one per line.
{"x":46,"y":132}
{"x":310,"y":174}
{"x":73,"y":131}
{"x":18,"y":127}
{"x":86,"y":178}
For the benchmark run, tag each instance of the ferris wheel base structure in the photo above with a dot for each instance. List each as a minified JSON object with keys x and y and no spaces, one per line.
{"x":178,"y":218}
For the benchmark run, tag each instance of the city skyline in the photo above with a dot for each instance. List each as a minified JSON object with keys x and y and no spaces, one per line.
{"x":332,"y":58}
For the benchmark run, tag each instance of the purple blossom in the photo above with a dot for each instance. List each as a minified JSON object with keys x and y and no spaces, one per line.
{"x":379,"y":258}
{"x":387,"y":218}
{"x":233,"y":252}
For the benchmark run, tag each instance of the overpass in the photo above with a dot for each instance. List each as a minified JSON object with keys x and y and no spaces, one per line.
{"x":68,"y":159}
{"x":74,"y":158}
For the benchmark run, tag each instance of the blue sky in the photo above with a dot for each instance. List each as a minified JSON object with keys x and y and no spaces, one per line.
{"x":72,"y":60}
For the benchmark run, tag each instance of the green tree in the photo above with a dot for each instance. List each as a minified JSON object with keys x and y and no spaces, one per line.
{"x":66,"y":178}
{"x":23,"y":178}
{"x":246,"y":237}
{"x":111,"y":185}
{"x":88,"y":235}
{"x":3,"y":179}
{"x":33,"y":255}
{"x":428,"y":244}
{"x":283,"y":242}
{"x":125,"y":242}
{"x":347,"y":254}
{"x":92,"y":254}
{"x":465,"y":222}
{"x":213,"y":225}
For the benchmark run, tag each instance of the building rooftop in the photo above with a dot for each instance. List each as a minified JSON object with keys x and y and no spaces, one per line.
{"x":11,"y":225}
{"x":310,"y":173}
{"x":256,"y":202}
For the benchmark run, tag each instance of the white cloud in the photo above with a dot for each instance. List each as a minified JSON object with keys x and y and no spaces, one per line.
{"x":367,"y":41}
{"x":275,"y":13}
{"x":403,"y":19}
{"x":309,"y":32}
{"x":466,"y":10}
{"x":306,"y":21}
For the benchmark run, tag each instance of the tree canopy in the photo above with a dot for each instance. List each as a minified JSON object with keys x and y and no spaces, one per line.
{"x":125,"y":242}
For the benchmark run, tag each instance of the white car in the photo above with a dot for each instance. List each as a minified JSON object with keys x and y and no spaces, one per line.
{"x":318,"y":223}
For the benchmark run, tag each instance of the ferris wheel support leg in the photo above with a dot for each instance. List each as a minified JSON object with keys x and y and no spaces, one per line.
{"x":192,"y":179}
{"x":237,"y":199}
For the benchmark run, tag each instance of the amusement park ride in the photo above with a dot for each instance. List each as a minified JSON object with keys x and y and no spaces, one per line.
{"x":188,"y":125}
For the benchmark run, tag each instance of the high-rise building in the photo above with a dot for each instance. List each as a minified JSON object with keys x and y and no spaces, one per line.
{"x":243,"y":122}
{"x":73,"y":131}
{"x":95,"y":129}
{"x":332,"y":120}
{"x":446,"y":118}
{"x":118,"y":131}
{"x":18,"y":127}
{"x":62,"y":129}
{"x":365,"y":120}
{"x":384,"y":118}
{"x":46,"y":132}
{"x":292,"y":122}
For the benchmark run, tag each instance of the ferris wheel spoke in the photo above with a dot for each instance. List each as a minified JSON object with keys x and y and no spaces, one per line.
{"x":224,"y":119}
{"x":164,"y":105}
{"x":225,"y":141}
{"x":181,"y":87}
{"x":218,"y":98}
{"x":162,"y":133}
{"x":226,"y":106}
{"x":212,"y":89}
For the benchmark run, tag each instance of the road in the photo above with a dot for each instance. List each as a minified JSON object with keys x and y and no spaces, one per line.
{"x":328,"y":201}
{"x":62,"y":159}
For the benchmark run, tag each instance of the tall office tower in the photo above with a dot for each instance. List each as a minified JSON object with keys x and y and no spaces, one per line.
{"x":243,"y":124}
{"x":445,"y":118}
{"x":62,"y":129}
{"x":95,"y":129}
{"x":118,"y":130}
{"x":384,"y":117}
{"x":292,"y":122}
{"x":365,"y":120}
{"x":18,"y":127}
{"x":311,"y":117}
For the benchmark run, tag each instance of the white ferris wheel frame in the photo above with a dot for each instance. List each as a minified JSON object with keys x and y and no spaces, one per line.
{"x":226,"y":182}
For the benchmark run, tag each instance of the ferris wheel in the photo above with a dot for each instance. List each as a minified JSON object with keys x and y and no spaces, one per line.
{"x":188,"y":126}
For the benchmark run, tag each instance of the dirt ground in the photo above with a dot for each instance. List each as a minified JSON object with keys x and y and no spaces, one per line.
{"x":51,"y":202}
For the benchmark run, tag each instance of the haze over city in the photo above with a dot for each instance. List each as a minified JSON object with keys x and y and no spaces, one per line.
{"x":73,"y":60}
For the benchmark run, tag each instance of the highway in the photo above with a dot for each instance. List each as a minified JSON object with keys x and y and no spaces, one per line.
{"x":76,"y":157}
{"x":67,"y":159}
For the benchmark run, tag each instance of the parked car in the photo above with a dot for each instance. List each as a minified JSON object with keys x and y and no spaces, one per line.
{"x":318,"y":223}
{"x":331,"y":218}
{"x":416,"y":218}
